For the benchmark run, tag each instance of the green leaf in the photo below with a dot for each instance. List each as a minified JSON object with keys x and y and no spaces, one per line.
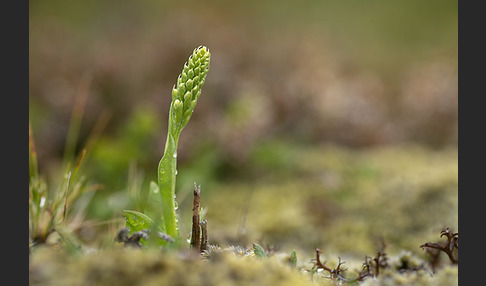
{"x":154,"y":201}
{"x":202,"y":213}
{"x":293,"y":258}
{"x":259,"y":251}
{"x":167,"y":184}
{"x":136,"y":221}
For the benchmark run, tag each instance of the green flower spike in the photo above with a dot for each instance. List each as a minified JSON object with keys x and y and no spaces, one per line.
{"x":185,"y":94}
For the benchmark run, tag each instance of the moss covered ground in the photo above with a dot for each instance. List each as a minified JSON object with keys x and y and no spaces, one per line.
{"x":348,"y":203}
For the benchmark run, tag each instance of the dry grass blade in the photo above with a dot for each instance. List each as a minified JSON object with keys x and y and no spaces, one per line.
{"x":65,"y":198}
{"x":76,"y":117}
{"x":33,"y":169}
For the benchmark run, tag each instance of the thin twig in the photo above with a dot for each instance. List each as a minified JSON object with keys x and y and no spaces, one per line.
{"x":450,"y":247}
{"x":334,"y":274}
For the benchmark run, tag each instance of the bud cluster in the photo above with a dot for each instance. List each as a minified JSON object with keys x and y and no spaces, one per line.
{"x":188,"y":88}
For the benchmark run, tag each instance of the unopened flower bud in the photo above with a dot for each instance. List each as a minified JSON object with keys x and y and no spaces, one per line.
{"x":187,"y":96}
{"x":190,"y":73}
{"x":175,"y":93}
{"x":181,"y":89}
{"x":189,"y":84}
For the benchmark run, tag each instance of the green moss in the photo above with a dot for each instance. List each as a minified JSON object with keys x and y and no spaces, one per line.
{"x":342,"y":200}
{"x":132,"y":267}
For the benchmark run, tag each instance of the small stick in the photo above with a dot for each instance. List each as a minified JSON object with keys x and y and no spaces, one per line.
{"x":448,"y":247}
{"x":319,"y":264}
{"x":196,"y":231}
{"x":204,"y":238}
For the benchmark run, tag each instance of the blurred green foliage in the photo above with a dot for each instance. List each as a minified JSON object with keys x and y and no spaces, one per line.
{"x":112,"y":155}
{"x":120,"y":161}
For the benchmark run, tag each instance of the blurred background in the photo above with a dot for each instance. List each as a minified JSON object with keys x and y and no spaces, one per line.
{"x":321,"y":124}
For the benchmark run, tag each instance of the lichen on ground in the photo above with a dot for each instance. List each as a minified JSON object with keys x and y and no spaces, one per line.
{"x":230,"y":266}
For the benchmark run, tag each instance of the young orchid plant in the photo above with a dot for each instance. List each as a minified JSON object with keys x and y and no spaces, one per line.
{"x":161,"y":215}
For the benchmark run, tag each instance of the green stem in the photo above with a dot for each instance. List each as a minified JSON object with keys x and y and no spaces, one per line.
{"x":184,"y":98}
{"x":167,"y":182}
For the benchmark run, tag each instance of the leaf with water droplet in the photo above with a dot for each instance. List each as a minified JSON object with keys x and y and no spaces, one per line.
{"x":154,"y":205}
{"x":136,"y":221}
{"x":154,"y":189}
{"x":166,"y":183}
{"x":154,"y":200}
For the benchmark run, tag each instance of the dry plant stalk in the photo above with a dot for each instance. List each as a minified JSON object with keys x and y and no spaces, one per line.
{"x":196,"y":231}
{"x":199,"y":236}
{"x":204,"y":236}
